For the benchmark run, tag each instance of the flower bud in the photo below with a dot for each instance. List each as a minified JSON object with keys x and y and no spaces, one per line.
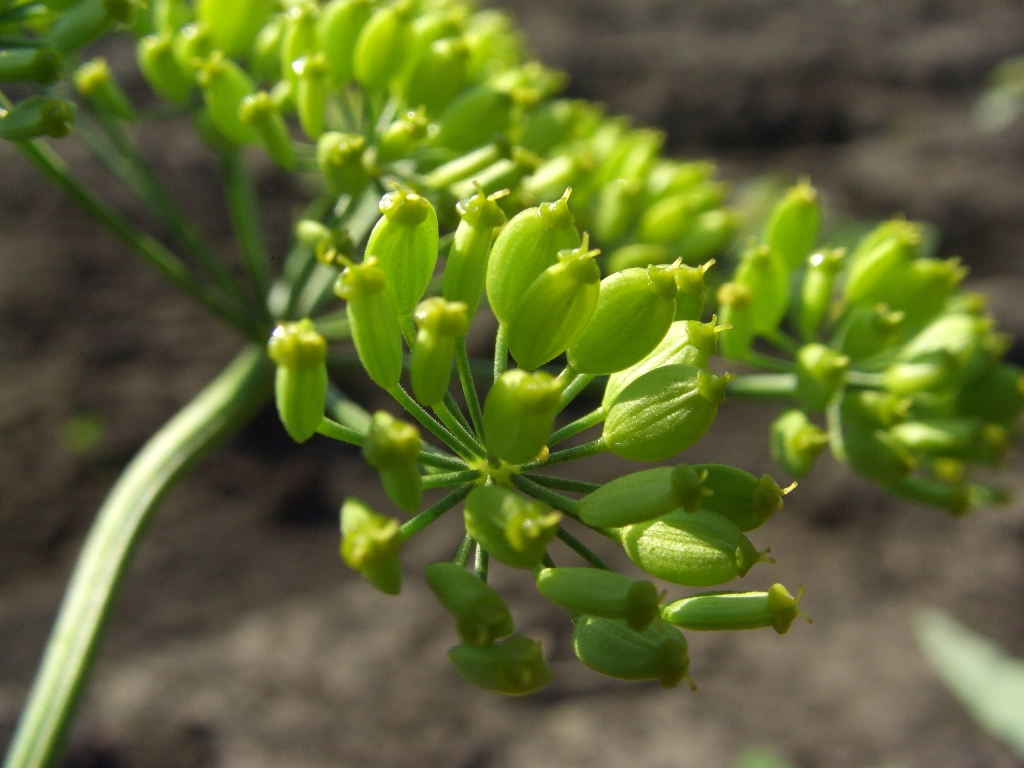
{"x":873,"y":453}
{"x":259,"y":112}
{"x":922,"y":289}
{"x":879,"y":258}
{"x":874,"y":409}
{"x":225,"y":85}
{"x":688,"y":342}
{"x":634,"y":311}
{"x":551,"y":124}
{"x":494,"y":43}
{"x":598,"y":592}
{"x":796,"y":443}
{"x":870,"y":329}
{"x":741,"y":497}
{"x":265,"y":61}
{"x":341,"y":22}
{"x":960,"y":345}
{"x":692,"y":290}
{"x":707,"y":235}
{"x":638,"y":255}
{"x":161,"y":69}
{"x":382,"y":45}
{"x":820,"y":375}
{"x":951,"y":438}
{"x":473,"y":118}
{"x":668,"y":177}
{"x":955,"y":498}
{"x":632,"y":156}
{"x":512,"y":529}
{"x":722,"y":611}
{"x":440,"y":323}
{"x":817,"y":289}
{"x":793,"y":226}
{"x":392,"y":448}
{"x":340,"y":159}
{"x":405,"y":240}
{"x":554,"y":310}
{"x":36,"y":65}
{"x":87,"y":21}
{"x":735,"y":302}
{"x":618,"y":204}
{"x":170,"y":15}
{"x":663,"y":412}
{"x":439,"y":76}
{"x":519,"y":413}
{"x":613,"y":648}
{"x":311,"y":93}
{"x":191,"y":45}
{"x":300,"y":354}
{"x":996,"y":395}
{"x":37,"y":116}
{"x":234,"y":24}
{"x":403,"y":136}
{"x":526,"y":246}
{"x":644,"y":495}
{"x":481,"y":615}
{"x":764,"y":272}
{"x":515,"y":666}
{"x":696,"y":549}
{"x":466,"y":270}
{"x":667,"y":220}
{"x":373,"y":320}
{"x":370,"y":544}
{"x":298,"y":38}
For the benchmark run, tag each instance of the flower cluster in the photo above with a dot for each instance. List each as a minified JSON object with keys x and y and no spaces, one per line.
{"x":451,"y":172}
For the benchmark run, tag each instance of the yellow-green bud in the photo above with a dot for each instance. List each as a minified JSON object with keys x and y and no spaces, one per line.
{"x":370,"y":544}
{"x":515,"y":666}
{"x":598,"y":592}
{"x":440,"y":323}
{"x":796,"y":443}
{"x":820,"y":375}
{"x":723,"y":611}
{"x":373,"y":319}
{"x":644,"y":495}
{"x":792,"y":228}
{"x":613,"y":648}
{"x":300,"y":354}
{"x":512,"y":529}
{"x":481,"y":615}
{"x":392,"y":448}
{"x":519,"y":413}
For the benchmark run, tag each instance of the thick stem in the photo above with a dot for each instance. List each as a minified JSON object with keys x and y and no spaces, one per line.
{"x":763,"y":386}
{"x":218,"y":411}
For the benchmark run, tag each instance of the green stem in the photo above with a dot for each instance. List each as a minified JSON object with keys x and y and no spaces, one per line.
{"x":453,"y":408}
{"x":433,"y":512}
{"x":448,"y":479}
{"x":454,"y":426}
{"x":480,"y":563}
{"x":437,"y":430}
{"x":500,"y":352}
{"x":476,"y":415}
{"x":245,"y":219}
{"x":218,"y":411}
{"x":579,"y":382}
{"x":767,"y":362}
{"x":562,"y":483}
{"x":763,"y":386}
{"x":592,"y":448}
{"x":462,"y":553}
{"x":340,"y":432}
{"x":581,"y":424}
{"x":123,"y":159}
{"x":167,"y":263}
{"x":571,"y":507}
{"x":581,"y":549}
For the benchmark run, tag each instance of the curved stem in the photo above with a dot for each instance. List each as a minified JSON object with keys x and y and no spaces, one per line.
{"x":218,"y":411}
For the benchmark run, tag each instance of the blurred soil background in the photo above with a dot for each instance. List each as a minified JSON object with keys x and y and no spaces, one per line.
{"x":241,"y":640}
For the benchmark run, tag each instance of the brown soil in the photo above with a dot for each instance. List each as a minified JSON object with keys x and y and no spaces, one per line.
{"x":241,"y":640}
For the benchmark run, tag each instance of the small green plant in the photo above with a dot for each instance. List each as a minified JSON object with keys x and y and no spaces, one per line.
{"x":450,"y":173}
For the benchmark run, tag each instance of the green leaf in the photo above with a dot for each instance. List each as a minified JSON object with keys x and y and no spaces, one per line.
{"x":986,"y":680}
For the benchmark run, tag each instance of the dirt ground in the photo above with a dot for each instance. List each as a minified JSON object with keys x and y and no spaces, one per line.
{"x":241,"y":640}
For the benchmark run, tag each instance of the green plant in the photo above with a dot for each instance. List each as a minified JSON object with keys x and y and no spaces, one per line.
{"x":433,"y":140}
